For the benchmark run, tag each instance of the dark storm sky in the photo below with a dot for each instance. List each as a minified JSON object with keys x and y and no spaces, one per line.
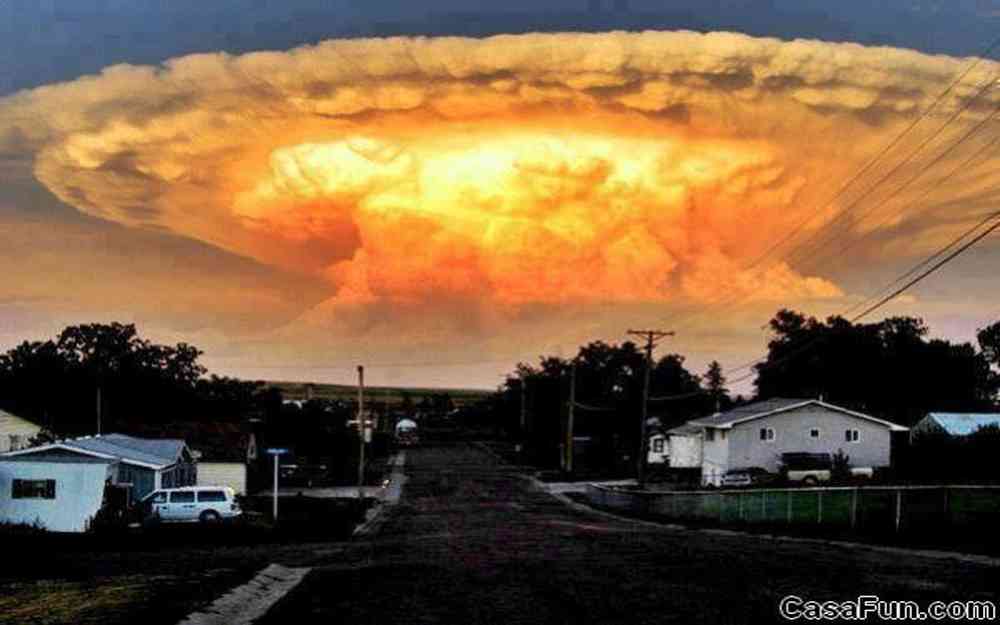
{"x":53,"y":40}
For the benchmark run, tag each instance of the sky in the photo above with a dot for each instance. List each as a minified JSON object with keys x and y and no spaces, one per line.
{"x":439,"y":191}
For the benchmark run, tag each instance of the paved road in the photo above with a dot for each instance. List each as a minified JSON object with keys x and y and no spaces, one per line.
{"x":471,"y":543}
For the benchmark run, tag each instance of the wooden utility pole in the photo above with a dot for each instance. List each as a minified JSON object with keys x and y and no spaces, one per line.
{"x":361,"y":431}
{"x":651,"y":336}
{"x":569,"y":419}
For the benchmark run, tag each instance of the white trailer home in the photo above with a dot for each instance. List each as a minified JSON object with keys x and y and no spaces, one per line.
{"x":60,"y":494}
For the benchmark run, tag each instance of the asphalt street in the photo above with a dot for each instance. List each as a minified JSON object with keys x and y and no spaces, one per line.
{"x":472,"y":541}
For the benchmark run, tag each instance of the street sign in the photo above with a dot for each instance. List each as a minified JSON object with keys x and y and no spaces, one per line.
{"x":277,"y":451}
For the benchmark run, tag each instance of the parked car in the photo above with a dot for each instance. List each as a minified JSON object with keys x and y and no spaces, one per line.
{"x":748,"y":476}
{"x":192,"y":504}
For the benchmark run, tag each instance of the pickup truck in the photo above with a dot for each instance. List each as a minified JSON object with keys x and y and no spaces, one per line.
{"x":812,"y":469}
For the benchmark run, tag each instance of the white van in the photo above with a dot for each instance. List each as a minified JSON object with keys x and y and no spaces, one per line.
{"x":192,"y":504}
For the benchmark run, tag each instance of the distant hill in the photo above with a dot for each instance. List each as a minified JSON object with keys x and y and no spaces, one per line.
{"x":388,"y":394}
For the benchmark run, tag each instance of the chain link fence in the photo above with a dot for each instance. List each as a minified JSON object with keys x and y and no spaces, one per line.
{"x":866,"y":508}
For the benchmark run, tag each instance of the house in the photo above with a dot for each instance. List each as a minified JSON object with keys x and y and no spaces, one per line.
{"x":143,"y":464}
{"x":657,"y":451}
{"x":16,"y":433}
{"x":58,"y":493}
{"x":685,"y":446}
{"x":954,"y":424}
{"x":755,"y":435}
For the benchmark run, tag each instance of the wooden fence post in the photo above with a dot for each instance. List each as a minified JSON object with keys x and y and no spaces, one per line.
{"x":788,"y":505}
{"x":819,"y":507}
{"x":763,"y":506}
{"x":739,"y":504}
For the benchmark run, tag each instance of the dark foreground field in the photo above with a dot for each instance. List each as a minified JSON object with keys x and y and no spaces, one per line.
{"x":156,"y":577}
{"x":471,"y":542}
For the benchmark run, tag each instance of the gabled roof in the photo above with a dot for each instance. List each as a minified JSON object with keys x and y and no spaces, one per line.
{"x":143,"y":452}
{"x":758,"y":410}
{"x":964,"y":423}
{"x":684,"y":430}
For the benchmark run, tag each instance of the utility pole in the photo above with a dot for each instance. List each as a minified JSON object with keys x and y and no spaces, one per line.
{"x":569,"y":419}
{"x":651,"y":336}
{"x":361,"y":432}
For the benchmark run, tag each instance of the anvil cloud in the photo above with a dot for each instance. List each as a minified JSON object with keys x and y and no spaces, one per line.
{"x":502,"y":174}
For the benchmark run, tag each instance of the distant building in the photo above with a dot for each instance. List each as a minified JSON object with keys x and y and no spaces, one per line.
{"x":685,"y":447}
{"x":755,"y":435}
{"x":16,"y":433}
{"x":143,"y":464}
{"x":657,"y":451}
{"x":956,"y":424}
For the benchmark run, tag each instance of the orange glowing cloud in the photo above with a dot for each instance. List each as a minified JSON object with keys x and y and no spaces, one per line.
{"x":510,"y":171}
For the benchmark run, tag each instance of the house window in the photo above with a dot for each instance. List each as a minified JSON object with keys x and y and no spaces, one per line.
{"x":709,"y":434}
{"x":33,"y":489}
{"x":658,"y":446}
{"x":852,"y":436}
{"x":16,"y":442}
{"x":767,"y":434}
{"x":814,"y":433}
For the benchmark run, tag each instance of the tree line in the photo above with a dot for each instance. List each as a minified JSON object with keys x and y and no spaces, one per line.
{"x":109,"y":369}
{"x":891,"y":369}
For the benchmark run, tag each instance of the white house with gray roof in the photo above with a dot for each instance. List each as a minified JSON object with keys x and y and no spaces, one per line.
{"x":143,"y":464}
{"x":755,"y":435}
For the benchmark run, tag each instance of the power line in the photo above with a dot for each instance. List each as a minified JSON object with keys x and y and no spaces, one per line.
{"x":883,"y":152}
{"x":934,"y":162}
{"x":728,"y":301}
{"x":762,"y":363}
{"x":932,"y":269}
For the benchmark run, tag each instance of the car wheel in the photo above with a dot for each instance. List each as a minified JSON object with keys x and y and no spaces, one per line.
{"x":810,"y":481}
{"x":210,"y":517}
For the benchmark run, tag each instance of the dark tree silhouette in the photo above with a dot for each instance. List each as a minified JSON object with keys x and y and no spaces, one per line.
{"x":55,"y":382}
{"x":715,"y":388}
{"x":609,"y":380}
{"x":889,"y":368}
